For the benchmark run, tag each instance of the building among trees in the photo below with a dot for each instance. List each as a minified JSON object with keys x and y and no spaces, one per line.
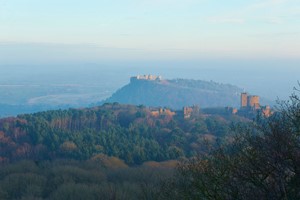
{"x":250,"y":105}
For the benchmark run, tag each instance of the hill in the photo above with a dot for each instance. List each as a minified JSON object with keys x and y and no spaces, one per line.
{"x":135,"y":134}
{"x":177,"y":93}
{"x":111,"y":151}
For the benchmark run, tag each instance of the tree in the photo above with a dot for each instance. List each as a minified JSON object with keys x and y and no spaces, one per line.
{"x":262,"y":161}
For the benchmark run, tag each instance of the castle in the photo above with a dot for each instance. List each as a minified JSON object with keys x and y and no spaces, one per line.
{"x":250,"y":107}
{"x":250,"y":104}
{"x":249,"y":101}
{"x":146,"y":77}
{"x":161,"y":111}
{"x":190,"y":111}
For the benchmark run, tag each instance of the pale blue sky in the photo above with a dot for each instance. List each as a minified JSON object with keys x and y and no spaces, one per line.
{"x":43,"y":30}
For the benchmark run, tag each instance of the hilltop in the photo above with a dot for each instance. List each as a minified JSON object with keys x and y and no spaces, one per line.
{"x":152,"y":90}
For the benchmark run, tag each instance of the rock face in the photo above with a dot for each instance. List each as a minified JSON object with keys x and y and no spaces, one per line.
{"x":177,"y":93}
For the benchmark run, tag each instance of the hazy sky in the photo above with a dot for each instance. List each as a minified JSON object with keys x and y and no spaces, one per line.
{"x":44,"y":30}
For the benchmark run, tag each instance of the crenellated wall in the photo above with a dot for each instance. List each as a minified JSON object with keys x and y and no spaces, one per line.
{"x":146,"y":77}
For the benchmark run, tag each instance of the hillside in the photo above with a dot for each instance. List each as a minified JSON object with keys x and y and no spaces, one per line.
{"x":177,"y":93}
{"x":112,"y":151}
{"x":131,"y":133}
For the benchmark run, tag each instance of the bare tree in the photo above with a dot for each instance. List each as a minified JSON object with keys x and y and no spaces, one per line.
{"x":261,"y":162}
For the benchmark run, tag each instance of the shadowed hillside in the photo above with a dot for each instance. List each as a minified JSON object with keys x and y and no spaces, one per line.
{"x":177,"y":93}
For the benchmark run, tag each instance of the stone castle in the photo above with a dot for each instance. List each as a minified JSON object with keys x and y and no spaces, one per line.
{"x":146,"y":77}
{"x":250,"y":104}
{"x":161,"y":111}
{"x":249,"y":101}
{"x":188,"y":112}
{"x":250,"y":107}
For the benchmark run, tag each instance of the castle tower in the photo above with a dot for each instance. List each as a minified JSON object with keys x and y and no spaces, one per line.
{"x":244,"y":100}
{"x":253,"y":102}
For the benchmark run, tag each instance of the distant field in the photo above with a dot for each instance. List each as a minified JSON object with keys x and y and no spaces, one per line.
{"x":53,"y":94}
{"x":27,"y":91}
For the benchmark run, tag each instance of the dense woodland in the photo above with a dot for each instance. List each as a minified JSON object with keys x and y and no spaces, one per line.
{"x":127,"y":132}
{"x":98,"y":178}
{"x":124,"y":152}
{"x":109,"y":152}
{"x":261,"y":162}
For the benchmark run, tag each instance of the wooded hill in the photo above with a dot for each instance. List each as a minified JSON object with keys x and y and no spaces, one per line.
{"x":130,"y":133}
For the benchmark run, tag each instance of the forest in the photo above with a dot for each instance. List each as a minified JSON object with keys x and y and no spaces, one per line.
{"x":119,"y":151}
{"x":262,"y":161}
{"x":122,"y":149}
{"x":128,"y":132}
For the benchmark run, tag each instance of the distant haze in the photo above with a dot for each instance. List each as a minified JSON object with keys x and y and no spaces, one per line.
{"x":56,"y":30}
{"x":270,"y":79}
{"x":75,"y":52}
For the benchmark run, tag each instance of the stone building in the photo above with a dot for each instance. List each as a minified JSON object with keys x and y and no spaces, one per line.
{"x":250,"y":105}
{"x":244,"y":99}
{"x":266,"y":111}
{"x":231,"y":110}
{"x":188,"y":112}
{"x":146,"y":77}
{"x":253,"y":102}
{"x":249,"y":101}
{"x":161,"y":111}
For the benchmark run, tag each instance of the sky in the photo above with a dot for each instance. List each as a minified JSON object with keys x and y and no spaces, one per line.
{"x":35,"y":31}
